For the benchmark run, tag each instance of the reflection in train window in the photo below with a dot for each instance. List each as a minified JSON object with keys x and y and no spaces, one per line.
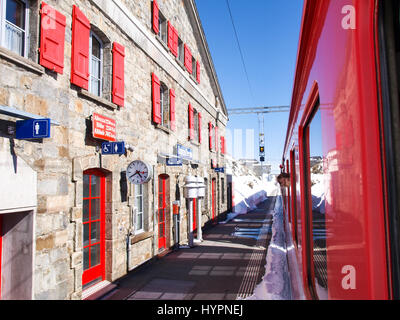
{"x":318,"y":205}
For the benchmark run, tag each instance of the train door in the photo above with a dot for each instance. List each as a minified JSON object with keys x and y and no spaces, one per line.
{"x":93,"y":228}
{"x":314,"y":246}
{"x":389,"y":54}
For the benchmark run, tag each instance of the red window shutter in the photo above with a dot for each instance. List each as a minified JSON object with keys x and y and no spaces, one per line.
{"x":80,"y":49}
{"x":172,"y":39}
{"x":216,"y":139}
{"x":156,"y":100}
{"x":191,"y":123}
{"x":52,"y":39}
{"x":118,"y":92}
{"x":210,"y":136}
{"x":176,"y":42}
{"x":170,"y":36}
{"x":222,"y":145}
{"x":199,"y":114}
{"x":172,"y":108}
{"x":156,"y":11}
{"x":188,"y":59}
{"x":198,"y":71}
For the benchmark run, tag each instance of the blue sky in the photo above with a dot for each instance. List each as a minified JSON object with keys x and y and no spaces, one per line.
{"x":268,"y":32}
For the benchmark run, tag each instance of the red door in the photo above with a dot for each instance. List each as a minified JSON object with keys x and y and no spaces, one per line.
{"x":163,"y":210}
{"x":194,"y":213}
{"x":213,"y":197}
{"x":93,"y":228}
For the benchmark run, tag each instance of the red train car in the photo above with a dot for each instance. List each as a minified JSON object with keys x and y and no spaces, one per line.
{"x":343,"y":152}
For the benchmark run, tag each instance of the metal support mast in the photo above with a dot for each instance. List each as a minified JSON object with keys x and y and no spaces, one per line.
{"x":261,"y":111}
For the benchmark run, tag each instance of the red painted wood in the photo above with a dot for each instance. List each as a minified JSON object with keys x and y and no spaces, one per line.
{"x":156,"y":85}
{"x":118,"y":91}
{"x":96,"y":271}
{"x":156,"y":11}
{"x":52,"y":39}
{"x":191,"y":122}
{"x":162,"y":206}
{"x":213,"y":198}
{"x":172,"y":109}
{"x":80,"y":49}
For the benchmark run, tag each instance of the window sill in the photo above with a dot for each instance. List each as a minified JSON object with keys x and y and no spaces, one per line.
{"x":195,"y":143}
{"x":165,"y":129}
{"x":97,"y":99}
{"x":162,"y":42}
{"x":140,"y":237}
{"x":21,"y":61}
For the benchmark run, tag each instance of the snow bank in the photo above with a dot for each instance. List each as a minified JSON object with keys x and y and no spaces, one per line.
{"x":249,"y":189}
{"x":275,"y":285}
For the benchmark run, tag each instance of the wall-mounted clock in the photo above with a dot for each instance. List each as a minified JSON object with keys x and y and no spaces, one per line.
{"x":139,"y":172}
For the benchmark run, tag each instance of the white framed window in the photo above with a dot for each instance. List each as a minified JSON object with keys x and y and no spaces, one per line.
{"x":96,"y":65}
{"x":196,"y":125}
{"x":181,"y":51}
{"x":14,"y":22}
{"x":164,"y":105}
{"x":139,"y":203}
{"x":194,"y":68}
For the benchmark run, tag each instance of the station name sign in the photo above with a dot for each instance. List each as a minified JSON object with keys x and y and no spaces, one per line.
{"x":103,"y":128}
{"x":183,"y":152}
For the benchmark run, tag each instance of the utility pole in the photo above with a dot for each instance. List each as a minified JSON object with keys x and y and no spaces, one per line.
{"x":260,"y":111}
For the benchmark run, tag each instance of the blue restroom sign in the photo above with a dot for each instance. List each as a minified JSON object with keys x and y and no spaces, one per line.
{"x":113,"y":148}
{"x":33,"y":129}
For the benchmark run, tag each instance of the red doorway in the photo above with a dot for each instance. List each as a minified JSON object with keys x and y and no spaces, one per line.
{"x":163,"y":211}
{"x":213,"y":197}
{"x":93,"y":227}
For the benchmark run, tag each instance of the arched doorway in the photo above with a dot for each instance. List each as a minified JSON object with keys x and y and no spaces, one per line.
{"x":94,"y":200}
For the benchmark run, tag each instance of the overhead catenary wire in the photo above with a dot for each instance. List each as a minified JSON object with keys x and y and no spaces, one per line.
{"x":241,"y":52}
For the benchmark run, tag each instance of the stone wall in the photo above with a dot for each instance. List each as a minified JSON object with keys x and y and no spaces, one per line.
{"x":61,"y":160}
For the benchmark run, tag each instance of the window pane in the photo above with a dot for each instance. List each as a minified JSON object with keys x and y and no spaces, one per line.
{"x":95,"y":214}
{"x":95,"y":187}
{"x":96,"y":48}
{"x":86,"y":259}
{"x":95,"y":232}
{"x":95,"y":72}
{"x":94,"y":256}
{"x":318,"y":206}
{"x":139,"y":222}
{"x":14,"y":39}
{"x":86,"y":182}
{"x":86,"y":234}
{"x":15,"y":13}
{"x":85,"y":210}
{"x":139,"y":204}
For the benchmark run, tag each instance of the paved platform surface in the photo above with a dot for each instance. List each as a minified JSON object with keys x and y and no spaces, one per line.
{"x":227,"y":265}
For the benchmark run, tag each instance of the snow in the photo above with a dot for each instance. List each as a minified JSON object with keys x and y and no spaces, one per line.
{"x":318,"y":192}
{"x":249,"y":189}
{"x":275,"y":284}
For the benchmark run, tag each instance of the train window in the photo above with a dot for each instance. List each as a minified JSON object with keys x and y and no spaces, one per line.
{"x":316,"y":205}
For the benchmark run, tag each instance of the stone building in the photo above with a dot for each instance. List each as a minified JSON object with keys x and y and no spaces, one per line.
{"x":132,"y":71}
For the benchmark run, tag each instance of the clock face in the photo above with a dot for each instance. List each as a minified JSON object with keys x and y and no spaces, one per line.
{"x":138,"y":172}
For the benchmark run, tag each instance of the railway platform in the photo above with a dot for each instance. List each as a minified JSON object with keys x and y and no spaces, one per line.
{"x":227,"y":265}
